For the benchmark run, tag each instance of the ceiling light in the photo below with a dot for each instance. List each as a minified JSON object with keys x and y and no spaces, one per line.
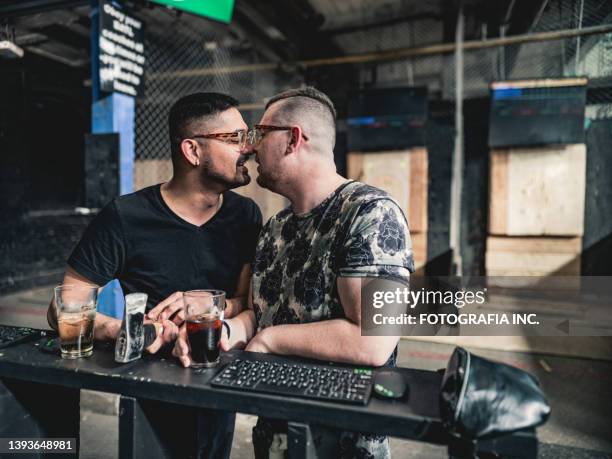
{"x":10,"y":50}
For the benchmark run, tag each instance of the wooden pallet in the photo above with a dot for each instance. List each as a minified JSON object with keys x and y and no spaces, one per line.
{"x":402,"y":174}
{"x":517,"y":262}
{"x":149,"y":172}
{"x":419,"y":249}
{"x":538,"y":192}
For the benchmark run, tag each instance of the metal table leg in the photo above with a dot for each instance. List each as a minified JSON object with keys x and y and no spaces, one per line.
{"x":300,"y":442}
{"x":153,"y":429}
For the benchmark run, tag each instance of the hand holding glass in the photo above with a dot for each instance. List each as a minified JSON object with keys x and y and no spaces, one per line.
{"x":204,"y":318}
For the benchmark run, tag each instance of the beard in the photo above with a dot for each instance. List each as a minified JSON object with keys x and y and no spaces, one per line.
{"x":261,"y":181}
{"x":212,"y":173}
{"x":269,"y":180}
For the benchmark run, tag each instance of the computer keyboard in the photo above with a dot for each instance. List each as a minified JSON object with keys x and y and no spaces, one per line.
{"x":10,"y":335}
{"x":322,"y":382}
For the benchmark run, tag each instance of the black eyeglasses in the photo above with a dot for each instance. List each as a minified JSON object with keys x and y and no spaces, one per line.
{"x":239,"y":138}
{"x":260,"y":130}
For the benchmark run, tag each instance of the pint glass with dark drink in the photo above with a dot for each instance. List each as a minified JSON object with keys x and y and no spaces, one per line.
{"x":76,"y":314}
{"x":204,"y":319}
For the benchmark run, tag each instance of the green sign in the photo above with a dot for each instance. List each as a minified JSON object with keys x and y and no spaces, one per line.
{"x":220,"y":10}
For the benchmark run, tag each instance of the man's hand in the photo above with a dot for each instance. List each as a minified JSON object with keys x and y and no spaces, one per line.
{"x":167,"y":331}
{"x":182,"y":350}
{"x":224,"y":342}
{"x":171,"y":308}
{"x":106,"y":328}
{"x":259,"y":343}
{"x":234,"y":306}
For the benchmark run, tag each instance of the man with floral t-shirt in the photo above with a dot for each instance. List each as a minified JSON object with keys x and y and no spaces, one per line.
{"x":312,"y":257}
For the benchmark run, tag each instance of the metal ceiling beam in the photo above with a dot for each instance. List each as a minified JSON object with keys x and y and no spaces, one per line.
{"x":382,"y":23}
{"x":398,"y":54}
{"x":30,"y":39}
{"x":49,"y":54}
{"x":15,"y":8}
{"x":525,"y":16}
{"x":64,"y":35}
{"x":251,"y":24}
{"x":299,"y":23}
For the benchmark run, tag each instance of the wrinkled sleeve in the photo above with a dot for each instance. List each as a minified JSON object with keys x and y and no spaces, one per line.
{"x":99,"y":256}
{"x":378,"y":243}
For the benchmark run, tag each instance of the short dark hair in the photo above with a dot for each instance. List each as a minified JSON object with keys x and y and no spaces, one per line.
{"x":191,"y":108}
{"x":308,"y":91}
{"x":311,"y":108}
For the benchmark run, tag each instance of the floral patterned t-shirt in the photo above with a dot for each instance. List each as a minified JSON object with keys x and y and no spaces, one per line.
{"x":358,"y":231}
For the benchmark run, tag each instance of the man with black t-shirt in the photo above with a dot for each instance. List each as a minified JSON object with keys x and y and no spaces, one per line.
{"x":188,"y":233}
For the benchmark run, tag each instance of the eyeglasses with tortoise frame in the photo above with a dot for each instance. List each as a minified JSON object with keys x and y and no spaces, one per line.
{"x":240,"y":137}
{"x":260,"y":130}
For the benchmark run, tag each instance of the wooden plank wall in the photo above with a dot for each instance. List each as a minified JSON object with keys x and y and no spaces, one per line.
{"x":536,"y":211}
{"x":402,"y":174}
{"x":533,"y":256}
{"x":149,"y":172}
{"x":538,"y":192}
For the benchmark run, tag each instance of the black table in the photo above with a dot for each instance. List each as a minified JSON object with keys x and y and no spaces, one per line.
{"x":39,"y":397}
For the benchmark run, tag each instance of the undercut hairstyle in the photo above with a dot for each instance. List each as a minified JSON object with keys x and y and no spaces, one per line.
{"x":308,"y":91}
{"x":195,"y":107}
{"x":311,"y":109}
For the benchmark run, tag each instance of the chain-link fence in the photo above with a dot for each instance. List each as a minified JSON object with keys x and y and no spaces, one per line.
{"x":186,"y":54}
{"x":189,"y":54}
{"x":589,"y":55}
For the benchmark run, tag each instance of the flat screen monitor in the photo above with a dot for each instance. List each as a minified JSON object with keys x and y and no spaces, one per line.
{"x":386,"y":119}
{"x":537,"y":112}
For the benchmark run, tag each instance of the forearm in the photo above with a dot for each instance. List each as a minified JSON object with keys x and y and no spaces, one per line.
{"x":52,"y":315}
{"x":106,"y":328}
{"x":242,"y":329}
{"x":336,"y":340}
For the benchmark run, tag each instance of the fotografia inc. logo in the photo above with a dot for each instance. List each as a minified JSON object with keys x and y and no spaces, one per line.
{"x":413,"y":298}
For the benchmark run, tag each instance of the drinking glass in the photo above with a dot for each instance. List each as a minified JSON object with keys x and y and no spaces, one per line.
{"x":204,"y":318}
{"x":76,"y":314}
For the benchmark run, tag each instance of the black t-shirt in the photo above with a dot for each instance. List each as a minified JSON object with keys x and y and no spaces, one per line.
{"x":138,"y":240}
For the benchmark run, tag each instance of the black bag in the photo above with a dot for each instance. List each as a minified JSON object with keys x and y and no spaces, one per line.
{"x":482,"y":399}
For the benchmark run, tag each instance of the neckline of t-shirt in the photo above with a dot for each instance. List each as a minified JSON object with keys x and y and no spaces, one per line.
{"x":323,"y":203}
{"x":182,"y":220}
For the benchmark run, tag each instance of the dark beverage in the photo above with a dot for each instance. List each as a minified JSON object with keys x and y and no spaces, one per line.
{"x":204,"y":333}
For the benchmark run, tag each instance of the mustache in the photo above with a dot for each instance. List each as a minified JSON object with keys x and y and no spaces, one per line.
{"x":242,"y":159}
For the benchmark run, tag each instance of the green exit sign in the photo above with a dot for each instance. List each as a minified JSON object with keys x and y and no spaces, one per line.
{"x":220,"y":10}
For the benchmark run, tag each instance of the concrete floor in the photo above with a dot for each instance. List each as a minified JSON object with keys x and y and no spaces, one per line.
{"x":579,"y":391}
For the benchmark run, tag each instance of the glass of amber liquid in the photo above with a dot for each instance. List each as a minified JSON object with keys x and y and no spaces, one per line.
{"x":76,"y":314}
{"x":204,"y":319}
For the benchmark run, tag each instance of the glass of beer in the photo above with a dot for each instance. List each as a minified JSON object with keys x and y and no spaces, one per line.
{"x":76,"y":314}
{"x":204,"y":317}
